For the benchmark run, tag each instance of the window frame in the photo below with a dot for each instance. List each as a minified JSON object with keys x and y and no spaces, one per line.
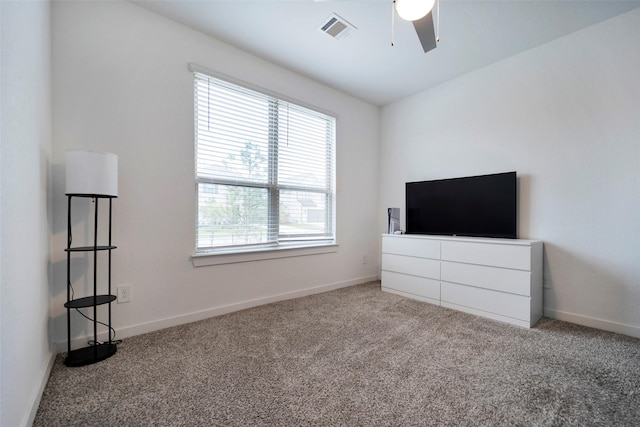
{"x":281,"y":246}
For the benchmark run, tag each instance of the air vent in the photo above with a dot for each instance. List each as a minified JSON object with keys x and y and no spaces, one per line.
{"x":336,"y":27}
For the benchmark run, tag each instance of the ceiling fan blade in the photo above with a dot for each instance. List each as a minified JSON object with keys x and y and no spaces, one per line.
{"x":426,"y":32}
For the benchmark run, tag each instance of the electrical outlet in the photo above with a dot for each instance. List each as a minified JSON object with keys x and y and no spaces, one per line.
{"x":364,"y":258}
{"x":124,"y":294}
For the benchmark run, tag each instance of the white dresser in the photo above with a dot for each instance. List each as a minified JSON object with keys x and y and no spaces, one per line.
{"x":496,"y":278}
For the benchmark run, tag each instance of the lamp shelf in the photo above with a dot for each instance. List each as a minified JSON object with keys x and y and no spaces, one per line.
{"x":98,"y":351}
{"x":92,"y":354}
{"x":92,"y":196}
{"x":90,"y":248}
{"x":90,"y":301}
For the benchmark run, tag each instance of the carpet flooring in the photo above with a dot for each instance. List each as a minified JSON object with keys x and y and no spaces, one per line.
{"x":354,"y":357}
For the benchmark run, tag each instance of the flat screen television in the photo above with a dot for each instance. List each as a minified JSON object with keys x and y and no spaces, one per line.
{"x":476,"y":206}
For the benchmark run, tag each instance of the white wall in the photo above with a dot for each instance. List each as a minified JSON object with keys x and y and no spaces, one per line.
{"x":25,"y":120}
{"x":121,"y":85}
{"x":565,"y":116}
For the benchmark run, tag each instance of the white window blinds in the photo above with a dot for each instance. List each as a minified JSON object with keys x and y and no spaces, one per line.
{"x":264,"y":169}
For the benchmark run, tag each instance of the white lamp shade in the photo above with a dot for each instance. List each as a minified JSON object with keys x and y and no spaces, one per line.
{"x":90,"y":172}
{"x":412,"y":10}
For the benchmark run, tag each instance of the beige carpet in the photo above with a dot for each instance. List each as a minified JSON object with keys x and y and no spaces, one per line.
{"x":354,"y":357}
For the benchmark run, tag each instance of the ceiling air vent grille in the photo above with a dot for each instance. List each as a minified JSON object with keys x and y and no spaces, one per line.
{"x":336,"y":27}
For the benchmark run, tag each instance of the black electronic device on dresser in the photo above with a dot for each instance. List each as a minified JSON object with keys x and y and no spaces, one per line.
{"x":475,"y":206}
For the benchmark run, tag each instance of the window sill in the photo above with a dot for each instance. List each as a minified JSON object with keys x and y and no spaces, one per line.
{"x":228,"y":257}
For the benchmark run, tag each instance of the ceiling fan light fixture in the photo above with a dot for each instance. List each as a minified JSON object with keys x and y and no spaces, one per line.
{"x":412,"y":10}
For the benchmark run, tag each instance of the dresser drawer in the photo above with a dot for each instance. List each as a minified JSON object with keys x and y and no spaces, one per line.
{"x":416,"y":247}
{"x":411,"y":265}
{"x":508,"y":305}
{"x":497,"y":255}
{"x":497,"y":279}
{"x":414,"y":285}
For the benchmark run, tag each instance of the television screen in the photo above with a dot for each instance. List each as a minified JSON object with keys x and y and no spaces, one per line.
{"x":477,"y":206}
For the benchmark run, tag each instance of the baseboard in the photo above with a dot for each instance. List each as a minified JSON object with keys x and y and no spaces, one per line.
{"x":592,"y":322}
{"x":168,"y":322}
{"x":30,"y":416}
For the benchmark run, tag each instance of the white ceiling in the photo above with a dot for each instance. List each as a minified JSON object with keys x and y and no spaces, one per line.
{"x":473,"y":33}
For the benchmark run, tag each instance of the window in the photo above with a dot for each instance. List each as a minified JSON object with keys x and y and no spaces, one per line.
{"x":265,"y":170}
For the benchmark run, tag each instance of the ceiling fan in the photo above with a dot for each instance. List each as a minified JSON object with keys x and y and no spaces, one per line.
{"x":420,"y":13}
